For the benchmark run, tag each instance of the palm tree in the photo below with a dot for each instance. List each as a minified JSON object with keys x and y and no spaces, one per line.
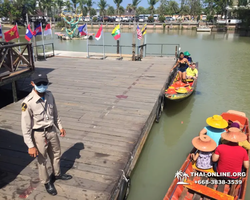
{"x":118,"y":3}
{"x":75,"y":2}
{"x":82,"y":6}
{"x":89,"y":4}
{"x":152,"y":5}
{"x":102,"y":4}
{"x":68,"y":4}
{"x":60,"y":4}
{"x":110,"y":10}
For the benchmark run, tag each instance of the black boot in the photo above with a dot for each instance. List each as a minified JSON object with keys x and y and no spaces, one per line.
{"x":50,"y":188}
{"x":63,"y":177}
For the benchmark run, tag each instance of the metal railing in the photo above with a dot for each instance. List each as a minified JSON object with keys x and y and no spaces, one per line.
{"x":160,"y":51}
{"x":121,"y":47}
{"x":45,"y":51}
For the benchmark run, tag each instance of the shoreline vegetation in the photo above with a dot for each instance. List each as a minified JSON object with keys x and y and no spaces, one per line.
{"x":153,"y":26}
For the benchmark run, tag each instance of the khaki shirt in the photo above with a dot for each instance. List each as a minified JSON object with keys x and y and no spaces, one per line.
{"x":37,"y":114}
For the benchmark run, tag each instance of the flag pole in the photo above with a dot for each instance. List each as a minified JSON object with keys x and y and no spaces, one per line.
{"x":34,"y":42}
{"x":87,"y":40}
{"x":43,"y":42}
{"x":18,"y":38}
{"x":103,"y":42}
{"x":2,"y":32}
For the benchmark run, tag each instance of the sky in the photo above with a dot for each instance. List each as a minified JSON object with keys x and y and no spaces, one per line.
{"x":144,"y":3}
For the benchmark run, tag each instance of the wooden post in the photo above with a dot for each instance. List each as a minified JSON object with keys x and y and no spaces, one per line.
{"x":118,"y":46}
{"x":133,"y":43}
{"x":176,"y":47}
{"x":14,"y":91}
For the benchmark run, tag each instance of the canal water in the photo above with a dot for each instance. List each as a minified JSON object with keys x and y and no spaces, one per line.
{"x":223,"y":85}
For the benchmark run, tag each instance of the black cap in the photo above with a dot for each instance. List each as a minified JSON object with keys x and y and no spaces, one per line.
{"x":39,"y":77}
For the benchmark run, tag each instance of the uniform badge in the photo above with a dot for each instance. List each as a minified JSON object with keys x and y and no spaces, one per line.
{"x":24,"y":106}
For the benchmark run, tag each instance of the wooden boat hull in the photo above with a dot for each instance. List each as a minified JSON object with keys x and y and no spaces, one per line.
{"x":177,"y":97}
{"x":196,"y":191}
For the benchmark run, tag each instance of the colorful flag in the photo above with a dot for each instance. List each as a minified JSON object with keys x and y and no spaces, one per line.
{"x":11,"y":34}
{"x":139,"y":34}
{"x":99,"y":33}
{"x":47,"y":30}
{"x":38,"y":30}
{"x":29,"y":33}
{"x":83,"y":30}
{"x":144,"y":29}
{"x":116,"y":33}
{"x":1,"y":35}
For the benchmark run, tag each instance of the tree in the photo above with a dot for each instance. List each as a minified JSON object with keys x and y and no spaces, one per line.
{"x":102,"y":4}
{"x":185,"y":10}
{"x":110,"y":10}
{"x":140,"y":10}
{"x":173,"y":7}
{"x":152,"y":4}
{"x":68,"y":5}
{"x":121,"y":10}
{"x":118,"y":4}
{"x":162,"y":9}
{"x":60,"y":4}
{"x":83,"y":8}
{"x":129,"y":8}
{"x":195,"y":7}
{"x":89,"y":4}
{"x":92,"y":12}
{"x":75,"y":2}
{"x":134,"y":5}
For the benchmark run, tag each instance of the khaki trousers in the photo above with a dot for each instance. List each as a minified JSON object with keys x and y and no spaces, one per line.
{"x":48,"y":142}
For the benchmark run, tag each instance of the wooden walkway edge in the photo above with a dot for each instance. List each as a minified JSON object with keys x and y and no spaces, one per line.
{"x":107,"y":108}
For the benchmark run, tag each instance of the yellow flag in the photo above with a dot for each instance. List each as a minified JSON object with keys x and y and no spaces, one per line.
{"x":144,"y":29}
{"x":116,"y":33}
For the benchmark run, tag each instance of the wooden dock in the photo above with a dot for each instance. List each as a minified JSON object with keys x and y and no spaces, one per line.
{"x":107,"y":108}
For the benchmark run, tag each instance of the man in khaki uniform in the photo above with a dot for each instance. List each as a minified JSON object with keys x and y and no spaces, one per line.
{"x":40,"y":124}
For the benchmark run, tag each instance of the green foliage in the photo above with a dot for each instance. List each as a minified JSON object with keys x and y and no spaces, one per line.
{"x":164,"y":26}
{"x":244,"y":15}
{"x":102,"y":4}
{"x":140,"y":10}
{"x":152,"y":5}
{"x":111,"y":10}
{"x":151,"y":19}
{"x":162,"y":18}
{"x":94,"y":19}
{"x":60,"y":24}
{"x":92,"y":12}
{"x":210,"y":18}
{"x":173,"y":7}
{"x":118,"y":6}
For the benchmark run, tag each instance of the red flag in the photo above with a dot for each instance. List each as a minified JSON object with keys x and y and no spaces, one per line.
{"x":11,"y":34}
{"x":99,"y":33}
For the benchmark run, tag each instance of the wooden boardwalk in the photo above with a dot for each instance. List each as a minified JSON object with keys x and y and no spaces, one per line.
{"x":107,"y":108}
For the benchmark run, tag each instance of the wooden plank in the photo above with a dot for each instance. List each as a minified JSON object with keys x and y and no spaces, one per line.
{"x":110,"y":128}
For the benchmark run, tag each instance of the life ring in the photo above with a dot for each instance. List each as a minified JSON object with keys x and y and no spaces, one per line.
{"x":124,"y":190}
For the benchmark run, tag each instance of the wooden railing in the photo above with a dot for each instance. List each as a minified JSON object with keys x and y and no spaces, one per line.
{"x":12,"y":55}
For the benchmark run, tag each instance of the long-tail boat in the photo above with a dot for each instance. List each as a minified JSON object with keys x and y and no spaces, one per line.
{"x":193,"y":189}
{"x":179,"y":90}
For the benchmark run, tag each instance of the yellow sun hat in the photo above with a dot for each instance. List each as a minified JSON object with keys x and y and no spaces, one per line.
{"x":181,"y":90}
{"x":217,"y":122}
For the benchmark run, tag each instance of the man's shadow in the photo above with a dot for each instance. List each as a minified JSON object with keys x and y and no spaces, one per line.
{"x":69,"y":157}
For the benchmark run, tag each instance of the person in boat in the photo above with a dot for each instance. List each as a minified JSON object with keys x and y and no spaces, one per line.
{"x":230,"y":157}
{"x":205,"y":146}
{"x":216,"y":126}
{"x":182,"y":62}
{"x":237,"y":124}
{"x":192,"y":72}
{"x":187,"y":56}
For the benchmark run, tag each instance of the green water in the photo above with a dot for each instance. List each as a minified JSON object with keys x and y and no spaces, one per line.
{"x":223,"y":85}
